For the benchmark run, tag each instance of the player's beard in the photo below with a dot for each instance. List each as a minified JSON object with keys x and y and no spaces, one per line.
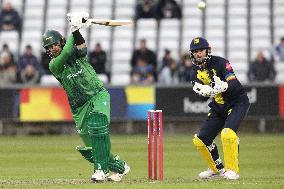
{"x":200,"y":59}
{"x":55,"y":52}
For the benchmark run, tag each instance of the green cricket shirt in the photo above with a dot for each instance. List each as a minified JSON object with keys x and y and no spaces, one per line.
{"x":72,"y":69}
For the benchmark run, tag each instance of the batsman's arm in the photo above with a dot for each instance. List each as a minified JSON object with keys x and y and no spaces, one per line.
{"x":57,"y":64}
{"x":81,"y":48}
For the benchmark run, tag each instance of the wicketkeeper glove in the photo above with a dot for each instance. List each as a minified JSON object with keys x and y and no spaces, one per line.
{"x":78,"y":20}
{"x":203,"y":90}
{"x":220,"y":86}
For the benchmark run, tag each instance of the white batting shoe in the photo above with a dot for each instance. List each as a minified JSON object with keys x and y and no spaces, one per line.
{"x":116,"y":177}
{"x":231,"y":175}
{"x":209,"y":173}
{"x":99,"y":176}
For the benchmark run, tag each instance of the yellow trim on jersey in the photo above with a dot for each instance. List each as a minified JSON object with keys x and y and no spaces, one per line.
{"x":219,"y":99}
{"x":229,"y":111}
{"x":203,"y":76}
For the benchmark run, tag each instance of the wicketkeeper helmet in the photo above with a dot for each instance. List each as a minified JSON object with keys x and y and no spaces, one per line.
{"x":199,"y":43}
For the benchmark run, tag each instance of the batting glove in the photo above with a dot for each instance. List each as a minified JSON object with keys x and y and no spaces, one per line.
{"x":78,"y":20}
{"x":220,"y":86}
{"x":203,"y":90}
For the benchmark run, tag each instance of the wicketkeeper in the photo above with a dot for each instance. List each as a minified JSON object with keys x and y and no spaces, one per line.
{"x":88,"y":99}
{"x":213,"y":77}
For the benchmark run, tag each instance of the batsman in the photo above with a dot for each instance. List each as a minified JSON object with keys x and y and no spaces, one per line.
{"x":88,"y":99}
{"x":213,"y":77}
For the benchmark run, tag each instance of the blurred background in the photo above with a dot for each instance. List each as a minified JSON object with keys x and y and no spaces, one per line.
{"x":145,"y":65}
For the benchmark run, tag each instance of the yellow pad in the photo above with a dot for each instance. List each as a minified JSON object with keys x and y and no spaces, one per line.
{"x":230,"y":148}
{"x":204,"y":152}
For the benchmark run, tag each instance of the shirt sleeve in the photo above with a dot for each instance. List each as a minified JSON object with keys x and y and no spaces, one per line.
{"x":82,"y":52}
{"x":227,"y":70}
{"x":56,"y":65}
{"x":234,"y":86}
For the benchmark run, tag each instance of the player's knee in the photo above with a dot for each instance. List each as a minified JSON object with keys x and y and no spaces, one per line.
{"x":228,"y":134}
{"x":197,"y":141}
{"x":97,"y":124}
{"x":204,"y":139}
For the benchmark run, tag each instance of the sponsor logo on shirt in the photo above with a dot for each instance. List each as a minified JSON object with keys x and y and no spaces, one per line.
{"x":228,"y":66}
{"x":74,"y":74}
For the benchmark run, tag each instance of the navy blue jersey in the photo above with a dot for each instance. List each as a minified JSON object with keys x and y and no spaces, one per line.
{"x":222,"y":68}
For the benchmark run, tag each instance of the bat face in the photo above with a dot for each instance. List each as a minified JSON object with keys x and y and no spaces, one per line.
{"x":106,"y":22}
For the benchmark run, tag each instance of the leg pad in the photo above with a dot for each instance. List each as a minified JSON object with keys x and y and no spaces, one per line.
{"x":86,"y":152}
{"x":115,"y":163}
{"x":99,"y":133}
{"x":230,"y":143}
{"x":205,"y":153}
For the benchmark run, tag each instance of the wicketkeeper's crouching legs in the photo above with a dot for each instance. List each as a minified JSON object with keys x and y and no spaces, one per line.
{"x":209,"y":153}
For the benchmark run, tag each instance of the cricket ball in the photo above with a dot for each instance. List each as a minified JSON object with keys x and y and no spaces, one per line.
{"x":201,"y":5}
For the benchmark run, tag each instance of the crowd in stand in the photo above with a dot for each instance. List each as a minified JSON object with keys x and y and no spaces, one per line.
{"x":26,"y":70}
{"x":158,"y":9}
{"x":145,"y":67}
{"x":9,"y":18}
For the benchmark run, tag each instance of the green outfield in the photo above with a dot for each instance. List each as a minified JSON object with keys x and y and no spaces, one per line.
{"x":52,"y":162}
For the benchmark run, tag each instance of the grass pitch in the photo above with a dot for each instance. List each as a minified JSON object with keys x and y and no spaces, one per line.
{"x":52,"y":162}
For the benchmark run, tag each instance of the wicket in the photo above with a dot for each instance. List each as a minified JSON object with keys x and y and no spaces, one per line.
{"x":155,"y":132}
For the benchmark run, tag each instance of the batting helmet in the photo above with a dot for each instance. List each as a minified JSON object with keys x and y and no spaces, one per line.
{"x":51,"y":37}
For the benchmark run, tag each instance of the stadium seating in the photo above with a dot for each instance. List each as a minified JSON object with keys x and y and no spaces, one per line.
{"x":49,"y":80}
{"x":169,"y":33}
{"x":229,"y":37}
{"x":214,"y":24}
{"x":147,"y":28}
{"x":100,"y":9}
{"x":120,"y":79}
{"x":11,"y":38}
{"x":124,"y":9}
{"x":18,"y":5}
{"x":32,"y":25}
{"x":122,"y":49}
{"x":279,"y":67}
{"x":278,"y":20}
{"x":260,"y":26}
{"x":191,"y":23}
{"x":56,"y":15}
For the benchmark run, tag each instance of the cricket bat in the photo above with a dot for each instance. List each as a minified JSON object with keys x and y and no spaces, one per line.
{"x":108,"y":22}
